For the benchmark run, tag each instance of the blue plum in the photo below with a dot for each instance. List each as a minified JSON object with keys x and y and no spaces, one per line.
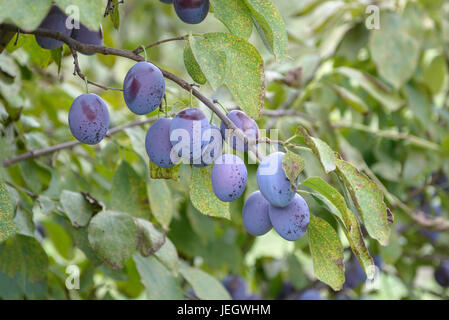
{"x":442,"y":274}
{"x":229,"y":177}
{"x":191,"y":11}
{"x":310,"y":294}
{"x":186,"y":133}
{"x":236,"y":286}
{"x":55,"y":21}
{"x":292,"y":221}
{"x":244,"y":123}
{"x":143,"y":88}
{"x":354,"y":273}
{"x":89,"y":118}
{"x":86,"y":36}
{"x":273,"y":182}
{"x":255,"y":214}
{"x":157,"y":143}
{"x":212,"y":147}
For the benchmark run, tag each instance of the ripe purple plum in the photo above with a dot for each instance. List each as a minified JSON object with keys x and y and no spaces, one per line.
{"x":244,"y":123}
{"x":273,"y":182}
{"x":255,"y":214}
{"x":212,"y":148}
{"x":86,"y":36}
{"x":311,"y":294}
{"x":55,"y":21}
{"x":236,"y":286}
{"x":292,"y":221}
{"x":442,"y":274}
{"x":157,"y":143}
{"x":229,"y":177}
{"x":191,"y":11}
{"x":143,"y":88}
{"x":186,"y":133}
{"x":89,"y":118}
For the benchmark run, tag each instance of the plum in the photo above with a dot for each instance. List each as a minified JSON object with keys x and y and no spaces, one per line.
{"x":273,"y":182}
{"x":244,"y":123}
{"x":212,"y":148}
{"x":292,"y":221}
{"x":442,"y":274}
{"x":310,"y":294}
{"x":86,"y":36}
{"x":157,"y":143}
{"x":255,"y":214}
{"x":143,"y":88}
{"x":191,"y":11}
{"x":229,"y":177}
{"x":55,"y":21}
{"x":236,"y":286}
{"x":186,"y":134}
{"x":89,"y":118}
{"x":354,"y":273}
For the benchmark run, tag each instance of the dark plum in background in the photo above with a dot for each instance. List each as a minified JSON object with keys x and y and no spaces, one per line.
{"x":244,"y":123}
{"x":273,"y":182}
{"x":310,"y":294}
{"x":191,"y":11}
{"x":236,"y":286}
{"x":55,"y":21}
{"x":229,"y":177}
{"x":255,"y":214}
{"x":442,"y":274}
{"x":292,"y":221}
{"x":212,"y":147}
{"x":143,"y":88}
{"x":157,"y":143}
{"x":186,"y":132}
{"x":89,"y":118}
{"x":86,"y":36}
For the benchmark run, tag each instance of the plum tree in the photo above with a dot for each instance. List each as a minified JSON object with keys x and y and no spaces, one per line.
{"x":310,"y":294}
{"x":255,"y":214}
{"x":244,"y":123}
{"x":143,"y":88}
{"x":157,"y":143}
{"x":191,"y":11}
{"x":186,"y":132}
{"x":292,"y":221}
{"x":212,"y":147}
{"x":442,"y":274}
{"x":229,"y":177}
{"x":89,"y":118}
{"x":273,"y":182}
{"x":236,"y":286}
{"x":86,"y":36}
{"x":55,"y":21}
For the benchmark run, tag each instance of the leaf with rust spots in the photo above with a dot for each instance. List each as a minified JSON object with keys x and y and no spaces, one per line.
{"x":292,"y":164}
{"x":161,"y":201}
{"x":235,"y":15}
{"x":334,"y":202}
{"x":368,"y":199}
{"x":113,"y":236}
{"x":325,"y":154}
{"x":192,"y":66}
{"x":203,"y":197}
{"x":149,"y":238}
{"x":157,"y":172}
{"x":76,"y":208}
{"x":327,"y":253}
{"x":7,"y":227}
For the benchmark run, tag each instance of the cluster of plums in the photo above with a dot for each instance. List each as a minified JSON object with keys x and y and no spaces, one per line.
{"x":190,"y":11}
{"x":56,"y":20}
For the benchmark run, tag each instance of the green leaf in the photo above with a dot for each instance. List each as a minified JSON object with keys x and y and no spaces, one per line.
{"x":168,"y":255}
{"x":192,"y":66}
{"x":203,"y":197}
{"x":377,"y":89}
{"x":157,"y":172}
{"x":91,"y":12}
{"x":56,"y":54}
{"x":336,"y":204}
{"x":7,"y":227}
{"x":149,"y":238}
{"x":235,"y":15}
{"x":115,"y":15}
{"x":270,"y":21}
{"x":129,"y":192}
{"x":161,"y":201}
{"x":351,"y":99}
{"x":320,"y":148}
{"x":228,"y":60}
{"x":204,"y":285}
{"x":113,"y":236}
{"x":434,"y":70}
{"x":327,"y":253}
{"x":24,"y":13}
{"x":292,"y":164}
{"x":76,"y":208}
{"x":160,"y":284}
{"x":368,"y":199}
{"x":394,"y":50}
{"x":81,"y":239}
